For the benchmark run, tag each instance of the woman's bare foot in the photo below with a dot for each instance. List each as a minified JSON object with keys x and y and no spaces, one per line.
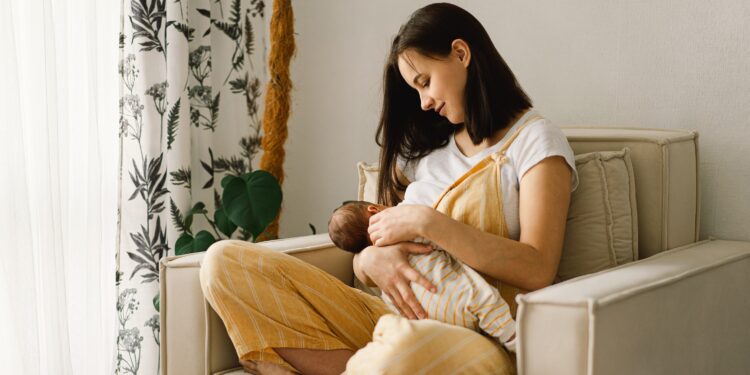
{"x":264,"y":368}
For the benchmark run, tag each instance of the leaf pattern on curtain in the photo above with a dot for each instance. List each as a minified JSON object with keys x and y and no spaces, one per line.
{"x":191,"y":78}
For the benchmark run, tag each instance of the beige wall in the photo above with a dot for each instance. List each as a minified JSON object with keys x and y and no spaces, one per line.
{"x":666,"y":64}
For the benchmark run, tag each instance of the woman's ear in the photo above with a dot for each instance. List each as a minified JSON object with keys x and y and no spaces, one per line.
{"x":462,"y":51}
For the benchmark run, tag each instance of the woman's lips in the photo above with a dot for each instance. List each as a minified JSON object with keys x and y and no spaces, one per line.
{"x":440,"y":110}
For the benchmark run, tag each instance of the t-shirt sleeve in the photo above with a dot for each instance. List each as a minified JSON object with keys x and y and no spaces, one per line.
{"x":537,"y":142}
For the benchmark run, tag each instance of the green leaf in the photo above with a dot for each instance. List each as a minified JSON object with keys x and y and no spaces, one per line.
{"x":157,"y":301}
{"x":265,"y":197}
{"x":222,"y":221}
{"x":237,"y":202}
{"x":203,"y":240}
{"x":189,"y":220}
{"x":227,"y":179}
{"x":183,"y":245}
{"x":199,"y":208}
{"x":252,"y":201}
{"x":186,"y":244}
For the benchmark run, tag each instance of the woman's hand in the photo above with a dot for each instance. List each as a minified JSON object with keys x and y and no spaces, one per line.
{"x":388,"y":267}
{"x":398,"y":224}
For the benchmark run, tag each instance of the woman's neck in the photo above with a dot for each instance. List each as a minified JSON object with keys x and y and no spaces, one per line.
{"x":469,"y":149}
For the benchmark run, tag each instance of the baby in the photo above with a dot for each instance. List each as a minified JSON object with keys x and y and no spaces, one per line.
{"x":463,"y":296}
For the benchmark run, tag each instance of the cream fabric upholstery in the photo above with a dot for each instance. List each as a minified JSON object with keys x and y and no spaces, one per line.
{"x":602,"y":230}
{"x":681,"y":312}
{"x":368,"y":182}
{"x":665,"y":163}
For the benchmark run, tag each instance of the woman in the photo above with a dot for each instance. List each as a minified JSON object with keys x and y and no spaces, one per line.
{"x":449,"y":101}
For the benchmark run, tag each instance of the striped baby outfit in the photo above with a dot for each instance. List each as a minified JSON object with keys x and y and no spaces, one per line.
{"x":463,"y":297}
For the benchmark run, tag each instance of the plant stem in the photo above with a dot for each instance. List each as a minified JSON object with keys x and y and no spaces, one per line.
{"x":213,"y":225}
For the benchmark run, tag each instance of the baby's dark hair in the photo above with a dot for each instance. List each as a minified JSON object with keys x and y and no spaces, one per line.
{"x":348,"y":226}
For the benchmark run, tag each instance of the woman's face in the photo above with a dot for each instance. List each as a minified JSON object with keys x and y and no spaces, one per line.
{"x":439,"y":82}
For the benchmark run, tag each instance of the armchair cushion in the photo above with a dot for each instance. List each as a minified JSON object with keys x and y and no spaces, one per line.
{"x":601,"y":230}
{"x":368,"y":181}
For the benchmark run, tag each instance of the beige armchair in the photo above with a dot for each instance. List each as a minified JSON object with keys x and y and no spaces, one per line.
{"x":682,"y":308}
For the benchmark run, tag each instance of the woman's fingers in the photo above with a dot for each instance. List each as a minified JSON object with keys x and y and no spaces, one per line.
{"x":389,"y":268}
{"x":374,"y":233}
{"x":402,"y":307}
{"x":417,"y":248}
{"x":392,"y":300}
{"x":410,"y":300}
{"x":374,"y":218}
{"x":416,"y":277}
{"x":374,"y":237}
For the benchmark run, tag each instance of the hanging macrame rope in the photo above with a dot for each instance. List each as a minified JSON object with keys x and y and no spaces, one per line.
{"x":277,"y":104}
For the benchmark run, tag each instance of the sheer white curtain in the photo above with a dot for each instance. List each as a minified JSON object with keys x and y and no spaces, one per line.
{"x":58,"y":187}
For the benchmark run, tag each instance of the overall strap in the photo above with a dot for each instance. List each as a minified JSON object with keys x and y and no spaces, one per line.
{"x":498,"y":156}
{"x":515,"y":134}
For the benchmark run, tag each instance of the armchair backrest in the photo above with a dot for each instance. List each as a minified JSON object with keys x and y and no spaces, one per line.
{"x":665,"y":165}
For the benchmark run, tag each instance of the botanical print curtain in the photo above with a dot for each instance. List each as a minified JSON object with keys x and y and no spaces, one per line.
{"x":191,"y":74}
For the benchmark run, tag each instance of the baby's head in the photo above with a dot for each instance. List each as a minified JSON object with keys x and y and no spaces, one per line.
{"x":348,"y":225}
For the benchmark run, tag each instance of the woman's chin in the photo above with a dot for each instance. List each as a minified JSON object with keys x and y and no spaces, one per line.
{"x":454,"y":121}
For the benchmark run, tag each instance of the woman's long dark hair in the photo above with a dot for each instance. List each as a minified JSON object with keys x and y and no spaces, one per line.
{"x":492,"y":95}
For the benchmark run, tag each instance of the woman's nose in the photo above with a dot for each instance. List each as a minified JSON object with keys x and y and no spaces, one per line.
{"x":427,"y":102}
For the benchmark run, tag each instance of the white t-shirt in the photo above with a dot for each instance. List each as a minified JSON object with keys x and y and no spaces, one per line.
{"x":434,"y":172}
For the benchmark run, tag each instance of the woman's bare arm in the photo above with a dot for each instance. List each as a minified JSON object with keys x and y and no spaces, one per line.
{"x":358,"y":271}
{"x":530,"y":263}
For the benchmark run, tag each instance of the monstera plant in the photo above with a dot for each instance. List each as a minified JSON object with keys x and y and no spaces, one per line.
{"x":249,"y":203}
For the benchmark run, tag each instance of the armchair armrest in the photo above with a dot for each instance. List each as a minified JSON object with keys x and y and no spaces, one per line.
{"x":193,"y":338}
{"x":683,"y":311}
